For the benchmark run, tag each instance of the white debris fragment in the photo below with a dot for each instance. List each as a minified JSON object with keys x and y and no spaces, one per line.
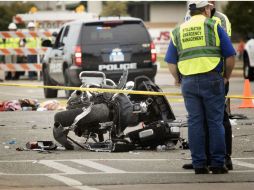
{"x":233,"y":121}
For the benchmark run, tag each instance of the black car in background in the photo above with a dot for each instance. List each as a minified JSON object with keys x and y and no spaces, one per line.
{"x":109,"y":44}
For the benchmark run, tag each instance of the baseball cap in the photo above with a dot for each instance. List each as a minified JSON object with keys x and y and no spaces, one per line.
{"x":198,"y":4}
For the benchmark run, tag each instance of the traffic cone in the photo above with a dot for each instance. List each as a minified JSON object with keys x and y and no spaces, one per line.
{"x":247,"y":103}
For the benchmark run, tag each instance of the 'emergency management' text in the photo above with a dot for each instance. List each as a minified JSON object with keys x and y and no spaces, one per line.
{"x":192,"y":34}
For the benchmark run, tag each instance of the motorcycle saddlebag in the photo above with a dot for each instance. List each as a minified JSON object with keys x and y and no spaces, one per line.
{"x":154,"y":134}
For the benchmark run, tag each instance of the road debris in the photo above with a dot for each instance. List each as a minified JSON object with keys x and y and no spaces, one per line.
{"x":41,"y":145}
{"x":12,"y":142}
{"x":30,"y":105}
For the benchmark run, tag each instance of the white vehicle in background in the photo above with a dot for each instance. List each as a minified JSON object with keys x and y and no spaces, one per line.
{"x":248,"y":60}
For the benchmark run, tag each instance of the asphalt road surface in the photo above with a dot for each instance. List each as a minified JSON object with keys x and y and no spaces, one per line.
{"x":146,"y":169}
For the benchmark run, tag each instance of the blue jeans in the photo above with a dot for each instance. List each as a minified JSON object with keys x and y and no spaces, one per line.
{"x":32,"y":59}
{"x":204,"y":99}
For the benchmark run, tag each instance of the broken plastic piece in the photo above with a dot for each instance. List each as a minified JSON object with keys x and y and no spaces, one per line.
{"x":12,"y":142}
{"x":42,"y":145}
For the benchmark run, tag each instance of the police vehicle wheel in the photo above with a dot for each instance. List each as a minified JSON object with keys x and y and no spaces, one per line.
{"x":248,"y":71}
{"x":48,"y":93}
{"x":67,"y":82}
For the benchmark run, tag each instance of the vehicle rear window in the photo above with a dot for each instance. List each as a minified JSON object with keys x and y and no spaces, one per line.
{"x":121,"y":33}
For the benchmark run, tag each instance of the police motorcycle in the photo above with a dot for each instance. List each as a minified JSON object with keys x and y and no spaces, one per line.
{"x":102,"y":117}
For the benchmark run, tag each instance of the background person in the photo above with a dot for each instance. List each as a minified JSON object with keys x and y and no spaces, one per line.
{"x":240,"y":49}
{"x":11,"y":43}
{"x":2,"y":45}
{"x":31,"y":42}
{"x":196,"y":48}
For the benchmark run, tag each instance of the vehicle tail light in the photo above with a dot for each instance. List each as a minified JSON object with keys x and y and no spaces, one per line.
{"x":153,"y":52}
{"x":78,"y":56}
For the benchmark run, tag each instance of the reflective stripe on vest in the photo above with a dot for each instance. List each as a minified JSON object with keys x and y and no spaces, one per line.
{"x":223,"y":21}
{"x":198,"y":45}
{"x":12,"y":43}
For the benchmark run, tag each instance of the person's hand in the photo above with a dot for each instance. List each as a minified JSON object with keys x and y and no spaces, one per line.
{"x":225,"y":81}
{"x":177,"y":83}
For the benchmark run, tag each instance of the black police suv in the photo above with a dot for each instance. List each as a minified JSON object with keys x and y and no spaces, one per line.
{"x":109,"y":44}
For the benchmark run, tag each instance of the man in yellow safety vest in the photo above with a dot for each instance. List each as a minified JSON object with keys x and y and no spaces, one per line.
{"x":226,"y":25}
{"x":196,"y":50}
{"x":11,"y":43}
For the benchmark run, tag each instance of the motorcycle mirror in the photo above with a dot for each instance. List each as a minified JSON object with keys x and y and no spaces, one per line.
{"x":129,"y":85}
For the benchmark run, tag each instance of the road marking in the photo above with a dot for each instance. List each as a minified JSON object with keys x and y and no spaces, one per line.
{"x":71,"y":182}
{"x":250,"y":158}
{"x":67,"y":170}
{"x":245,"y":164}
{"x":102,"y":159}
{"x":116,"y":159}
{"x":98,"y":166}
{"x":113,"y":159}
{"x":60,"y":167}
{"x":86,"y":188}
{"x":132,"y":172}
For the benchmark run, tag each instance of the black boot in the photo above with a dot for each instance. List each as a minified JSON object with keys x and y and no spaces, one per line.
{"x":204,"y":170}
{"x":219,"y":170}
{"x":228,"y":162}
{"x":188,"y":166}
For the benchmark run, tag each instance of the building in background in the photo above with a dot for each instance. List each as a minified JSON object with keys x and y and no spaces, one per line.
{"x":149,"y":11}
{"x":51,"y":20}
{"x":159,"y":16}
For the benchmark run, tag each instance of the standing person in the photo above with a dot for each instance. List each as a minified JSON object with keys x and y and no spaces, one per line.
{"x":196,"y":50}
{"x":226,"y":25}
{"x":240,"y":49}
{"x":11,"y":43}
{"x":31,"y":43}
{"x":2,"y":45}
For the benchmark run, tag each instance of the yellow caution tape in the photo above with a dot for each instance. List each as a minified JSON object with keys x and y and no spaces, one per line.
{"x":93,"y":89}
{"x":175,"y":100}
{"x":240,"y":97}
{"x":111,"y":90}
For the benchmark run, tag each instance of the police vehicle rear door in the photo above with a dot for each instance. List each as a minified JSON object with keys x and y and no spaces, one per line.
{"x":56,"y":57}
{"x":115,"y":45}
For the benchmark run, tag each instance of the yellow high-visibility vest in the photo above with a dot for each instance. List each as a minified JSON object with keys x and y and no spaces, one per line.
{"x":31,"y":42}
{"x":198,"y":45}
{"x":223,"y":21}
{"x":12,"y":43}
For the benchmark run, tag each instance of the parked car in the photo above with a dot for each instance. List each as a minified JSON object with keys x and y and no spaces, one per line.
{"x":109,"y":44}
{"x":248,"y":60}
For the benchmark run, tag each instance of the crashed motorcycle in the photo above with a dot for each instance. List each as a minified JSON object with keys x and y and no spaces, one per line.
{"x":101,"y":117}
